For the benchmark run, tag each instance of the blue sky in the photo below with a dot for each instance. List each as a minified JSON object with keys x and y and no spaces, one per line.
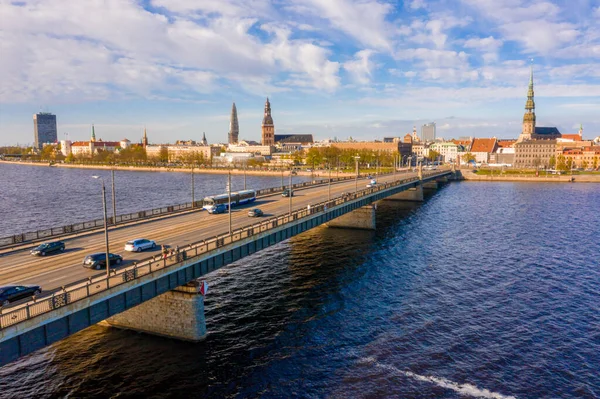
{"x":334,"y":68}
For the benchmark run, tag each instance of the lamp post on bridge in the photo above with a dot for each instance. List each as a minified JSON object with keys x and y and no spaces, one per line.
{"x":291,"y":192}
{"x":105,"y":225}
{"x":356,"y":158}
{"x":229,"y":194}
{"x":193,"y":190}
{"x":114,"y":201}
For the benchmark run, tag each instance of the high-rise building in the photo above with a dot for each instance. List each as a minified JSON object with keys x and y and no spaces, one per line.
{"x":268,"y":129}
{"x":234,"y":127}
{"x":428,"y":132}
{"x":44,"y":129}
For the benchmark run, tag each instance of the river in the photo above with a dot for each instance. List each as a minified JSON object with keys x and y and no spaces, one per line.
{"x":485,"y":290}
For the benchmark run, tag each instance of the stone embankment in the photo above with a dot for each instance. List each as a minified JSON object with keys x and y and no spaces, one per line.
{"x":583,"y":178}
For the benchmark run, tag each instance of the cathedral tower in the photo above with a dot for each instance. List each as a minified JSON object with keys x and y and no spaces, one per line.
{"x":234,"y":127}
{"x":268,"y":129}
{"x":529,"y":117}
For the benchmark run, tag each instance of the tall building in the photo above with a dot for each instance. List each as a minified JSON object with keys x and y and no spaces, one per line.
{"x":234,"y":127}
{"x":44,"y":129}
{"x":204,"y":141}
{"x":268,"y":129}
{"x":428,"y":132}
{"x":529,"y":117}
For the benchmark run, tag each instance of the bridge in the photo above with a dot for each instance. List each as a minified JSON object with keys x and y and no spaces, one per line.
{"x":163,"y":296}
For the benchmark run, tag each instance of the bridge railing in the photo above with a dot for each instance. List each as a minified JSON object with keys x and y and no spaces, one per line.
{"x":86,"y":288}
{"x":81,"y":227}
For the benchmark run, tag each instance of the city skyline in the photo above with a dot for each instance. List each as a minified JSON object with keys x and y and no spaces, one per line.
{"x":338,"y":69}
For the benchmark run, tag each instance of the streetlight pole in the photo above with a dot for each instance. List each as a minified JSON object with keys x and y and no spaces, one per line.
{"x":356,"y":158}
{"x":114,"y":201}
{"x":193,"y":190}
{"x":291,"y":192}
{"x":229,"y":193}
{"x":329,"y":184}
{"x":105,"y":225}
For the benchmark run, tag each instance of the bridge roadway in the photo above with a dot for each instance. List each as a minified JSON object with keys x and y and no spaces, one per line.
{"x":54,"y":271}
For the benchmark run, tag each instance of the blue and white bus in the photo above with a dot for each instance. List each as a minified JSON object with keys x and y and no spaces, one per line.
{"x":237,"y":198}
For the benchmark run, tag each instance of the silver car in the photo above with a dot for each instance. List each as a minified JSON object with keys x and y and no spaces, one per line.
{"x":139,"y":244}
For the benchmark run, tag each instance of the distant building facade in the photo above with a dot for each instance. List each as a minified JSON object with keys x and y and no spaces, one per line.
{"x":234,"y":126}
{"x":405,"y":149}
{"x":428,"y":132}
{"x":534,"y":153}
{"x":268,"y":128}
{"x":44,"y":129}
{"x":448,"y":150}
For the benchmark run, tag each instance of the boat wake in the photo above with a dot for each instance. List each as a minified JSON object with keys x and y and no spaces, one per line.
{"x":462,"y":389}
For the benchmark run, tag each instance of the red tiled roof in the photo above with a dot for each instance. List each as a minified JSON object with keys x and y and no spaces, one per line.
{"x":484,"y":145}
{"x":80,"y":144}
{"x":107,"y":144}
{"x":574,"y":137}
{"x":506,"y":143}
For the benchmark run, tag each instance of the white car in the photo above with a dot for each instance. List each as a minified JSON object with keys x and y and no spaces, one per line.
{"x":139,"y":244}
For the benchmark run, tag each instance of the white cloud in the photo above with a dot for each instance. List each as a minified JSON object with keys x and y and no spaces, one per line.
{"x":364,"y":20}
{"x":430,"y":58}
{"x":417,"y":4}
{"x":361,"y":67}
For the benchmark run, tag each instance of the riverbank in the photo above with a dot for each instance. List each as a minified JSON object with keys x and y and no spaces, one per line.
{"x":469,"y":175}
{"x":249,"y":172}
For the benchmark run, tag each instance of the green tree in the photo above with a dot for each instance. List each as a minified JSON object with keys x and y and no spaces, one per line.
{"x":434,"y":155}
{"x":595,"y":162}
{"x":47,"y":152}
{"x":552,"y":161}
{"x":468,"y":157}
{"x":314,"y":157}
{"x":163,"y":155}
{"x":560,"y":163}
{"x":70,"y":158}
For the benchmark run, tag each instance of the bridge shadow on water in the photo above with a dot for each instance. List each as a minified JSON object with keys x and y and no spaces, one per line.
{"x":258,"y":308}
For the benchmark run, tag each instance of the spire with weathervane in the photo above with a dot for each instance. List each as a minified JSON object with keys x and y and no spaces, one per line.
{"x":529,"y":117}
{"x":93,"y":138}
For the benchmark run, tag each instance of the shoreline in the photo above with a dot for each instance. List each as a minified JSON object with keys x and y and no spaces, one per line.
{"x":468,"y":175}
{"x":223,"y":171}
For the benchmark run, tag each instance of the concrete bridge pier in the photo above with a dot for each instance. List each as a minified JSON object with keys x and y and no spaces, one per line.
{"x":178,"y":314}
{"x":414,"y":194}
{"x":362,"y":218}
{"x":430,"y":185}
{"x":443,"y":179}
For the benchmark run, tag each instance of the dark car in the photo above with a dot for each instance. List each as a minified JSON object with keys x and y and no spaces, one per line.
{"x":12,"y":293}
{"x":98,"y":261}
{"x":219,"y":208}
{"x":255,"y":212}
{"x":287,"y":193}
{"x":48,"y":247}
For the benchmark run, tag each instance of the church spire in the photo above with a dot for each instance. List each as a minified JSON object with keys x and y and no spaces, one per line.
{"x":529,"y":117}
{"x":145,"y":138}
{"x":93,"y":139}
